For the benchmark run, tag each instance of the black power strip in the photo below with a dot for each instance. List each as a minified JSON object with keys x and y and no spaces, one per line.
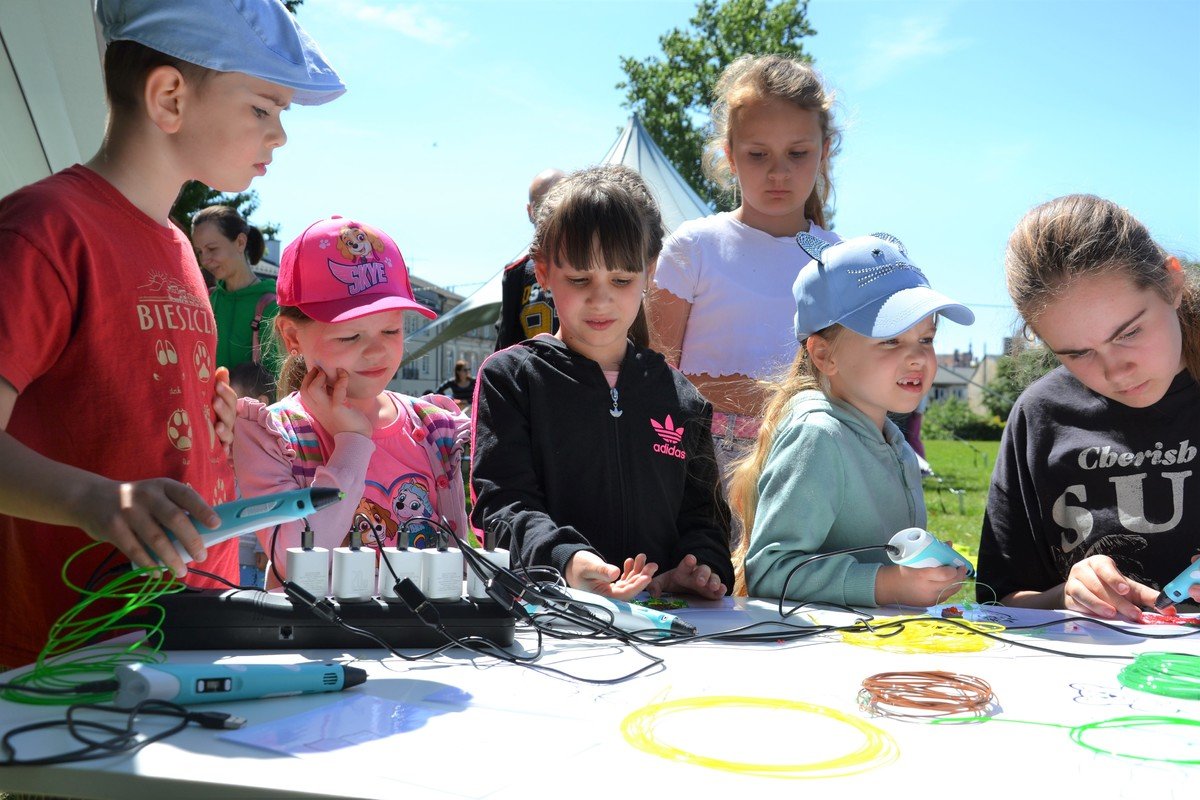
{"x":241,"y":619}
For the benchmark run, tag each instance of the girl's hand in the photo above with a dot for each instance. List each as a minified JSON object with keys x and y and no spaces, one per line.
{"x":132,"y":516}
{"x":224,"y":408}
{"x":327,"y":402}
{"x":1096,"y":587}
{"x":916,"y":586}
{"x":690,"y":577}
{"x":589,"y":572}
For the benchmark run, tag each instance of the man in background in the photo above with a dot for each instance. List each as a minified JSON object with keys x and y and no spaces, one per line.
{"x":526,"y":309}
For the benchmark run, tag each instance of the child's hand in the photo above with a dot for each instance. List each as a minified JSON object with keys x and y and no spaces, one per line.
{"x":589,"y":572}
{"x":691,"y":577}
{"x":327,"y":402}
{"x":132,"y":516}
{"x":917,"y":586}
{"x":1096,"y":587}
{"x":224,"y":408}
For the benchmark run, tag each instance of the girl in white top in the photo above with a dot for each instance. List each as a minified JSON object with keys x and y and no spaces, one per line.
{"x":722,"y":307}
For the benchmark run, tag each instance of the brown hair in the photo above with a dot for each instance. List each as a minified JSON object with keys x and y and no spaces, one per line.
{"x":802,"y":375}
{"x":128,"y":63}
{"x":1070,"y":238}
{"x":600,"y":215}
{"x":231,"y":224}
{"x":754,"y":78}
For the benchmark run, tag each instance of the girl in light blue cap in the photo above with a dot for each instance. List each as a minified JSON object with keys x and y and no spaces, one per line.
{"x":830,"y":471}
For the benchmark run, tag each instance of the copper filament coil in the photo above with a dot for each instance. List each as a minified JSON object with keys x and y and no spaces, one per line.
{"x":930,"y":694}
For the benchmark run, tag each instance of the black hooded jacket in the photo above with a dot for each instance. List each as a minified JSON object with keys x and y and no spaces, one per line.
{"x":556,"y":469}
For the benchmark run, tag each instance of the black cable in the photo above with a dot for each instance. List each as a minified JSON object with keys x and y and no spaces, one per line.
{"x":221,"y":579}
{"x":120,"y":739}
{"x":509,"y":593}
{"x":819,"y":557}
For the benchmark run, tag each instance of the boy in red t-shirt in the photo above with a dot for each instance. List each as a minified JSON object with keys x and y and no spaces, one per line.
{"x":112,"y":413}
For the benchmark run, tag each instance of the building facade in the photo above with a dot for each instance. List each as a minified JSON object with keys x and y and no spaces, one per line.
{"x":437,"y":366}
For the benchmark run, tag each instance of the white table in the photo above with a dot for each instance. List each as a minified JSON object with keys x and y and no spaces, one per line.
{"x":521,"y":731}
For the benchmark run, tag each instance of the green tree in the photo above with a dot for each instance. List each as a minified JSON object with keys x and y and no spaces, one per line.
{"x":195,"y":195}
{"x":952,"y":418}
{"x":673,"y":94}
{"x":1013,"y":374}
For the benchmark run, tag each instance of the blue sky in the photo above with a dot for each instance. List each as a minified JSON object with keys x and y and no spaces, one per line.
{"x":957,"y":117}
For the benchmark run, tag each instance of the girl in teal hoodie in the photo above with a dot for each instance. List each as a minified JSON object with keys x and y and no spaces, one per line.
{"x":830,"y":471}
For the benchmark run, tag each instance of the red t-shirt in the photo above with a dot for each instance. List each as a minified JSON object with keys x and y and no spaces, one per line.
{"x":107,"y":334}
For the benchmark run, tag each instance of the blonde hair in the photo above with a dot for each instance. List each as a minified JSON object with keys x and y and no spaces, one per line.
{"x":1070,"y":238}
{"x":801,"y":376}
{"x":599,"y":215}
{"x":293,"y":369}
{"x":755,"y":78}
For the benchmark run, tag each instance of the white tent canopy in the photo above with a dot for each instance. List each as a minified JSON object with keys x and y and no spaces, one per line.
{"x":51,"y":90}
{"x":634,"y":148}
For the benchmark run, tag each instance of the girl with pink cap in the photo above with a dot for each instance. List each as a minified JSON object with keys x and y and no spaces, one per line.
{"x":343,"y":289}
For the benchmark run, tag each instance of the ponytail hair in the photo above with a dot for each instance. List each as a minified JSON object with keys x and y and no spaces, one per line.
{"x":232,"y":224}
{"x":606,"y":213}
{"x":1065,"y":240}
{"x":293,"y":369}
{"x":801,"y":376}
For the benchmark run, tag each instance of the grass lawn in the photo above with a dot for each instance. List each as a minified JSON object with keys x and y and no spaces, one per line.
{"x":957,"y":494}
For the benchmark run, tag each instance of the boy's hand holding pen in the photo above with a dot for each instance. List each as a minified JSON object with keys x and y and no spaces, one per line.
{"x":132,"y":517}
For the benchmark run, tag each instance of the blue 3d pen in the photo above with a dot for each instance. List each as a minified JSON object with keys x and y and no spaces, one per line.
{"x":916,"y":547}
{"x":256,"y":513}
{"x":629,"y":617}
{"x":212,"y":683}
{"x":1177,"y":590}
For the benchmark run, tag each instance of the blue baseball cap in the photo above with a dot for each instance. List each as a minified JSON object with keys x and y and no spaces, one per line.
{"x":868,"y":285}
{"x":259,"y":38}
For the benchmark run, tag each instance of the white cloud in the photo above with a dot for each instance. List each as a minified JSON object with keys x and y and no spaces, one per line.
{"x":412,"y":20}
{"x":893,"y":47}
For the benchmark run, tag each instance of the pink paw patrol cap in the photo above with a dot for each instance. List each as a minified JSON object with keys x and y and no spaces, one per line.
{"x":340,"y":269}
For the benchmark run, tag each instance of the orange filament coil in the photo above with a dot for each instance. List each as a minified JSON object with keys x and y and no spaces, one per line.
{"x":920,"y":695}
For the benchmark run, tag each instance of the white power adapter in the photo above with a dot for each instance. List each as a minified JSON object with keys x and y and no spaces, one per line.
{"x":353,"y":574}
{"x":476,"y":586}
{"x":405,"y":563}
{"x":308,"y":566}
{"x":442,"y":573}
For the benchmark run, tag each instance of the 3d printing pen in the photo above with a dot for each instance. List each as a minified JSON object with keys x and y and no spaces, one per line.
{"x":256,"y":513}
{"x":1177,"y":590}
{"x":629,"y":617}
{"x":917,"y":547}
{"x":211,"y":683}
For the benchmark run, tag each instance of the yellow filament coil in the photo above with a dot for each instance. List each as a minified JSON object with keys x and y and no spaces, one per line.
{"x":923,"y":635}
{"x":877,"y":748}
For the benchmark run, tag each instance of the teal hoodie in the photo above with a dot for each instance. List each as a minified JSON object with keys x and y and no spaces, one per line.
{"x":831,"y":481}
{"x":234,"y":312}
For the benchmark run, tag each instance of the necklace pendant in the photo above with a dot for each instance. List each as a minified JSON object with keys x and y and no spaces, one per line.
{"x":616,"y":412}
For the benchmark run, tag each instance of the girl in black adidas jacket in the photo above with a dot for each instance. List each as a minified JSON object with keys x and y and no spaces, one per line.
{"x":590,"y":451}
